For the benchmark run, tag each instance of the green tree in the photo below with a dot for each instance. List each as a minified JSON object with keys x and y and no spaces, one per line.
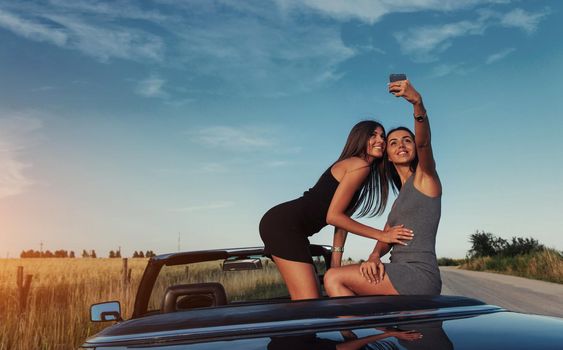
{"x":485,"y":244}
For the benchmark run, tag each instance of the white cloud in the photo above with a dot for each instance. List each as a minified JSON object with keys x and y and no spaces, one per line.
{"x":527,"y":21}
{"x":88,"y":34}
{"x":371,"y":11}
{"x":105,"y":41}
{"x":244,"y":48}
{"x":425,"y":43}
{"x":499,"y":55}
{"x":14,"y":137}
{"x":151,"y":87}
{"x":32,"y":30}
{"x":231,"y":138}
{"x":204,"y":207}
{"x":444,"y":69}
{"x":124,"y":9}
{"x":269,"y":58}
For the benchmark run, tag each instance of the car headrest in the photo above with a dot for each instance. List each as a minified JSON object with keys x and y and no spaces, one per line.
{"x":190,"y":296}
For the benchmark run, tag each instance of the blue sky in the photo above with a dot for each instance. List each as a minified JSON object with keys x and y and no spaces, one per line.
{"x":125,"y":123}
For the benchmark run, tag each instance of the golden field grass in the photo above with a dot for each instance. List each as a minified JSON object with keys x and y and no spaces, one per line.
{"x":265,"y":283}
{"x":62,"y":291}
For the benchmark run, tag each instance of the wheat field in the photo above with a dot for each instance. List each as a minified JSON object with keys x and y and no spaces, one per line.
{"x":62,"y":290}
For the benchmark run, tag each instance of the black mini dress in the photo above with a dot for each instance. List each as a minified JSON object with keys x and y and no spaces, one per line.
{"x":285,"y":228}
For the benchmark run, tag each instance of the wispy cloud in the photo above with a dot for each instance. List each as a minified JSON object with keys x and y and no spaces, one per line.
{"x":151,"y":87}
{"x":445,"y":69}
{"x":269,"y":57}
{"x":499,"y":55}
{"x":106,"y":40}
{"x":32,"y":30}
{"x":43,"y":88}
{"x":371,"y":11}
{"x":99,"y":38}
{"x":123,"y":9}
{"x":15,"y":132}
{"x":204,"y":207}
{"x":527,"y":21}
{"x":248,"y":48}
{"x":234,"y":138}
{"x":426,"y":43}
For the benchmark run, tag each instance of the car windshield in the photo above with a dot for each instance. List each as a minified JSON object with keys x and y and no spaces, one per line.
{"x":243,"y":279}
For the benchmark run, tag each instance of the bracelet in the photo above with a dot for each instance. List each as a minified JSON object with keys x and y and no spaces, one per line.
{"x":337,"y":249}
{"x":420,"y":118}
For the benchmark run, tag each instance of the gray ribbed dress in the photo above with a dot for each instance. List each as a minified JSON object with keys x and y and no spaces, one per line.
{"x":413,"y":268}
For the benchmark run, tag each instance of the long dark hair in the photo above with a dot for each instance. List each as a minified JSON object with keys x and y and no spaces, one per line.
{"x":375,"y":189}
{"x":391,"y":171}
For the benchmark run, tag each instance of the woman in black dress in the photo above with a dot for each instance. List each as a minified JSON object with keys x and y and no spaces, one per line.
{"x":356,"y":181}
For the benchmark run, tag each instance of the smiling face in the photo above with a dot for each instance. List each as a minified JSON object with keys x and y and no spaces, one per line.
{"x":376,"y":144}
{"x":401,"y":148}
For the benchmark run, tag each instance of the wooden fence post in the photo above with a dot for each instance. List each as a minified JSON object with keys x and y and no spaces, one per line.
{"x":24,"y":285}
{"x":124,"y":273}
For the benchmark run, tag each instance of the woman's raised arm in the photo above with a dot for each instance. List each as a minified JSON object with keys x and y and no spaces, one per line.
{"x":426,"y":175}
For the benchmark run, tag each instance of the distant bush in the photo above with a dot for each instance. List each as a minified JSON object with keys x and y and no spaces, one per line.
{"x":140,"y":254}
{"x":450,"y":262}
{"x":46,"y":254}
{"x":521,"y":246}
{"x":486,"y":244}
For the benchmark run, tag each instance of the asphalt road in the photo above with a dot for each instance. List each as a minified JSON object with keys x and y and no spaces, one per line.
{"x":510,"y":292}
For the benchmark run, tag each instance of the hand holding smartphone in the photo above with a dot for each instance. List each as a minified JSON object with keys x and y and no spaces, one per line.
{"x":397,"y":77}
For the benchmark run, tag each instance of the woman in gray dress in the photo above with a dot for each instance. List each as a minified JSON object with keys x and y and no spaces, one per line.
{"x":413,"y":268}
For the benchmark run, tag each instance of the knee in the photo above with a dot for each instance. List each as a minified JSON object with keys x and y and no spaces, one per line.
{"x":331,"y":281}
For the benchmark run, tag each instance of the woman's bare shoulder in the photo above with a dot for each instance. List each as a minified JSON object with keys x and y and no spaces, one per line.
{"x":348,"y":165}
{"x":353,"y":163}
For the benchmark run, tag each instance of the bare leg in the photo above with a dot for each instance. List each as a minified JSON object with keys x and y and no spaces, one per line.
{"x":300,"y":278}
{"x":347,"y":281}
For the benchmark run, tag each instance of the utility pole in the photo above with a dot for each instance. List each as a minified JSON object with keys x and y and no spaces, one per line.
{"x":178,"y":241}
{"x":41,"y":247}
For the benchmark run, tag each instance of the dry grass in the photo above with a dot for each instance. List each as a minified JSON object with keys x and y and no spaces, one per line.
{"x":265,"y":283}
{"x":544,"y":265}
{"x":62,"y":291}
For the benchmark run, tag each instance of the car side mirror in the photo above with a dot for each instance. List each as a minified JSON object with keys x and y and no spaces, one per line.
{"x":242,"y":264}
{"x":108,"y":311}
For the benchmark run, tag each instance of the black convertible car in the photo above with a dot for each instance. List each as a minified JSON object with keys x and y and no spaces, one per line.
{"x":236,"y":299}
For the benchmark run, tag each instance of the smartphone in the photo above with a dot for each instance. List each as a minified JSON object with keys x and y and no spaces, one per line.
{"x":397,"y":77}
